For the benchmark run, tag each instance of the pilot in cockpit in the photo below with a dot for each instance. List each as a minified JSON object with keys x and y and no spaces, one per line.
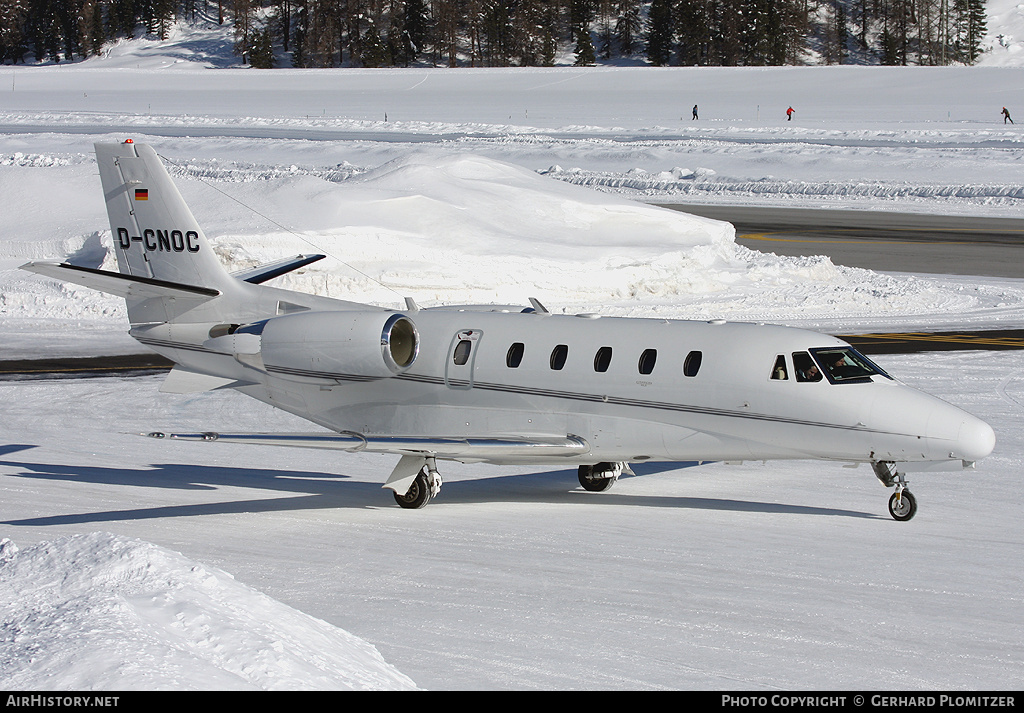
{"x":839,"y":367}
{"x":805,"y":368}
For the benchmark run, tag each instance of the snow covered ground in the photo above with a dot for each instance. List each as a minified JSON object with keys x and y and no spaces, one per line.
{"x":775,"y":576}
{"x":499,"y":185}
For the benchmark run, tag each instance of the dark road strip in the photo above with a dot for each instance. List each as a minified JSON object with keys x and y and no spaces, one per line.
{"x":84,"y":367}
{"x":913,"y":342}
{"x":880,"y":240}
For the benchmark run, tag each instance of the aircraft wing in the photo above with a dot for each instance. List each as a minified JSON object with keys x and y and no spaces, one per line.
{"x":480,"y":448}
{"x":415,"y":450}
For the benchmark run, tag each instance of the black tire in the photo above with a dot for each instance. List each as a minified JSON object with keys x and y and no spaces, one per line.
{"x":907,"y":507}
{"x":594,"y":484}
{"x":417,"y":496}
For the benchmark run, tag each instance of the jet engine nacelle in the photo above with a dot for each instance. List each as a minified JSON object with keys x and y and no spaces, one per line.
{"x":338,"y":346}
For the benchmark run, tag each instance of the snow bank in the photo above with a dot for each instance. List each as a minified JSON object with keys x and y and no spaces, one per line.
{"x":451,"y":227}
{"x":464,"y":228}
{"x":447,"y":227}
{"x":105,"y":612}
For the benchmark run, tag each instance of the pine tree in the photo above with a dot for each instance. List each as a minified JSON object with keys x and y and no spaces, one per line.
{"x":660,"y":33}
{"x":416,"y":30}
{"x":842,"y":32}
{"x":693,"y":31}
{"x":628,"y":26}
{"x":447,"y":18}
{"x":581,"y":14}
{"x":496,"y":32}
{"x":974,"y":28}
{"x":13,"y":16}
{"x":242,"y":14}
{"x":605,"y":35}
{"x":549,"y":37}
{"x":261,"y":49}
{"x":728,"y":21}
{"x":584,"y":48}
{"x":374,"y":50}
{"x":530,"y":33}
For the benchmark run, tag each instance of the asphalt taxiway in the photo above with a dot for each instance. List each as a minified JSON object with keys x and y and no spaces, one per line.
{"x":880,"y":240}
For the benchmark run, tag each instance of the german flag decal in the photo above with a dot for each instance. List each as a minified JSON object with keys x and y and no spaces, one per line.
{"x":142,"y":194}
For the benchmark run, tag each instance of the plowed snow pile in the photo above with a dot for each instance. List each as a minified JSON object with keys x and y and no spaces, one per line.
{"x":105,"y":612}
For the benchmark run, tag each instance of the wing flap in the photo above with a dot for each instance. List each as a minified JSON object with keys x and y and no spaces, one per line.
{"x":183,"y":381}
{"x":481,"y":448}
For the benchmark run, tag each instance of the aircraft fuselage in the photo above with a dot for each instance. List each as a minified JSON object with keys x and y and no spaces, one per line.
{"x":633,"y":389}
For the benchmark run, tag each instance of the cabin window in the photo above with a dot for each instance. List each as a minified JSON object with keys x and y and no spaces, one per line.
{"x":805,"y":368}
{"x":515,"y":355}
{"x":462,"y":349}
{"x":647,"y":360}
{"x":603,"y":359}
{"x":692,"y":363}
{"x":779,"y":372}
{"x":558,"y":356}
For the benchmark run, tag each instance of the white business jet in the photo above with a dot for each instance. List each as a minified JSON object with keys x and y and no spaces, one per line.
{"x":499,"y":384}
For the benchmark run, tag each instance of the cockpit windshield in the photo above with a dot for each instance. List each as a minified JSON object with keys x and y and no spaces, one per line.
{"x":844,"y":365}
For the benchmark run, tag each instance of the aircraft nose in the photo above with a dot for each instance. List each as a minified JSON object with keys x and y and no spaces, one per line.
{"x":975,"y":440}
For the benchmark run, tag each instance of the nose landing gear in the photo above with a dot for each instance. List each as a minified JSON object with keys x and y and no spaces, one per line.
{"x":902,"y":503}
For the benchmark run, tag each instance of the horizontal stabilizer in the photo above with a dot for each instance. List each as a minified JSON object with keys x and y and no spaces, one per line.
{"x":116,"y":283}
{"x":451,"y":448}
{"x":262,"y":273}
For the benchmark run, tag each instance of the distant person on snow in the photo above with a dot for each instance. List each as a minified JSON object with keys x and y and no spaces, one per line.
{"x":695,"y":111}
{"x":789,"y":113}
{"x":1006,"y":115}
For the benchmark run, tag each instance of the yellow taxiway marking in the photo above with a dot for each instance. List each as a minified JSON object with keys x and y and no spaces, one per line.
{"x":832,"y":241}
{"x":952,"y":338}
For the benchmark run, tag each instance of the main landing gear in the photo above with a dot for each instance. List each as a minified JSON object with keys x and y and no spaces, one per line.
{"x":426,"y":485}
{"x":598,"y":478}
{"x":902,"y":503}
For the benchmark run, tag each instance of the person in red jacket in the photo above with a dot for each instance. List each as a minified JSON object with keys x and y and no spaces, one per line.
{"x":789,"y":113}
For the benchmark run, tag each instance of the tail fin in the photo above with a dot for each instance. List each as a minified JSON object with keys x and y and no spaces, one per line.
{"x":155,"y":234}
{"x":168,"y":271}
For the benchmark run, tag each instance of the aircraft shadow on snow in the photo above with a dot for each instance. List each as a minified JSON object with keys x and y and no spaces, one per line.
{"x":309,"y":490}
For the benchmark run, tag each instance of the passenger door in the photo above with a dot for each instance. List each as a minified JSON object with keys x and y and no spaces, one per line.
{"x":458,"y":373}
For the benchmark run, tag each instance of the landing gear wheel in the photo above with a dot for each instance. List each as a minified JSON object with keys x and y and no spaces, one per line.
{"x":902,"y":505}
{"x":418,"y":494}
{"x":594,"y":480}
